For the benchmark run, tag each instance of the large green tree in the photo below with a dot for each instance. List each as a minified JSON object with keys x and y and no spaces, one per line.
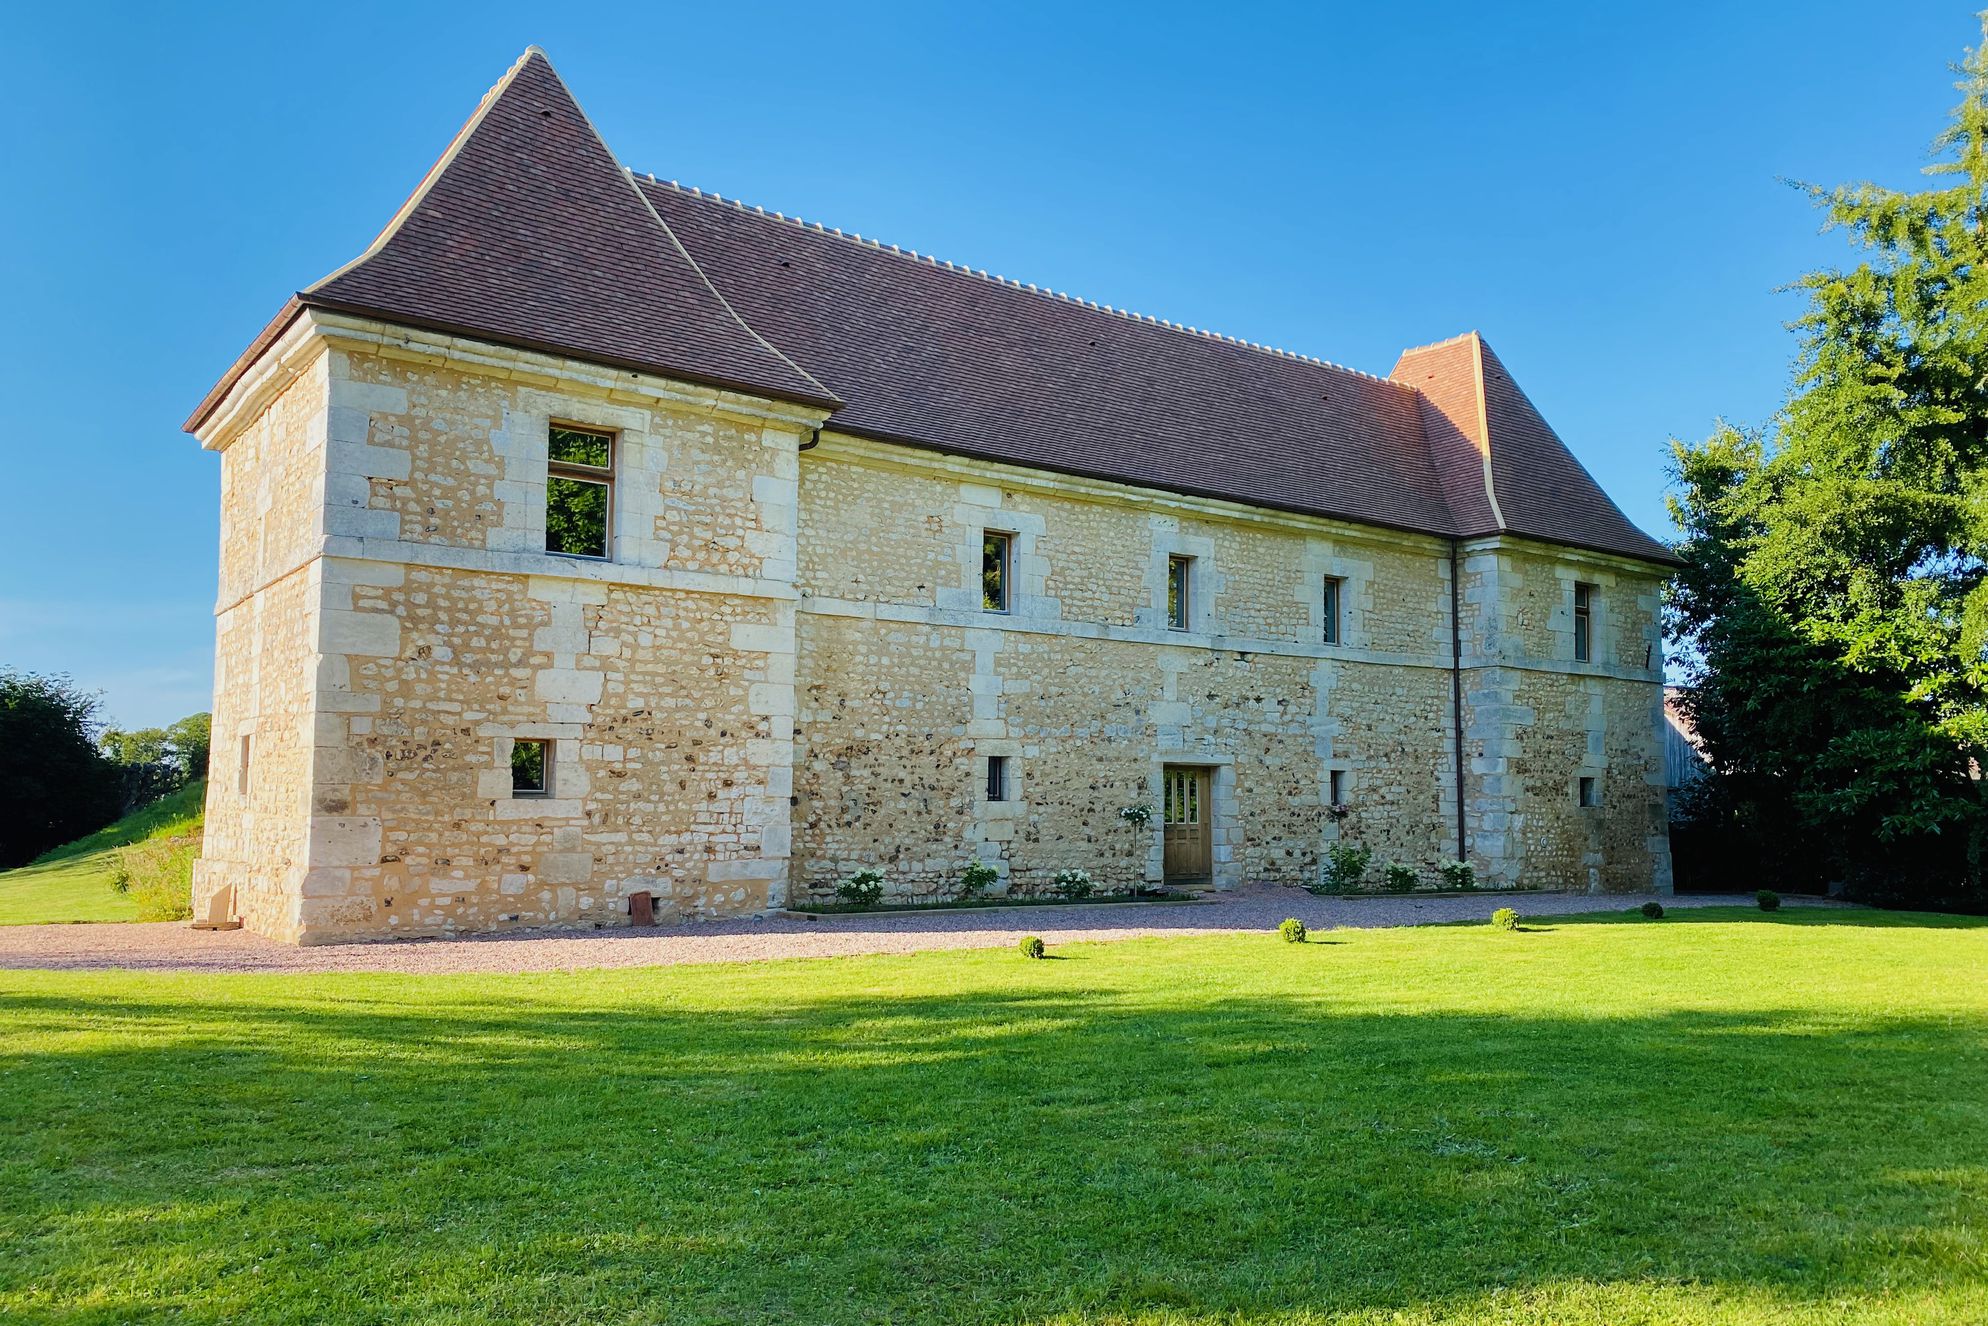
{"x":1833,"y":606}
{"x":55,"y":784}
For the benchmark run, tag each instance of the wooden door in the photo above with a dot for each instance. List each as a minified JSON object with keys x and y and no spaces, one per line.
{"x":1189,"y":843}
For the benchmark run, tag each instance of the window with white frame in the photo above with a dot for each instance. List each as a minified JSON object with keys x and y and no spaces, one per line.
{"x":579,"y":491}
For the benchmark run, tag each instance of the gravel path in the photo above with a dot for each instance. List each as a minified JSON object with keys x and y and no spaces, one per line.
{"x":172,"y":946}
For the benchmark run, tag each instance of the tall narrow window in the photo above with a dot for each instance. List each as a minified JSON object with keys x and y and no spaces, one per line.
{"x":1584,"y":604}
{"x":1331,"y":632}
{"x":1180,"y":588}
{"x":531,"y":768}
{"x":242,"y":768}
{"x":997,"y":778}
{"x":1337,"y":782}
{"x":996,"y":557}
{"x":1589,"y":792}
{"x":579,"y":491}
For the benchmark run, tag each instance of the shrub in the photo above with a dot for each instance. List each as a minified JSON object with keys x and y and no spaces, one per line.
{"x":158,"y":874}
{"x":975,"y":879}
{"x":1505,"y":919}
{"x":1345,"y":863}
{"x":1031,"y":946}
{"x":1136,"y":816}
{"x":1654,"y":910}
{"x":1458,"y":874}
{"x":1398,"y":878}
{"x":1074,"y":884}
{"x":1768,"y":899}
{"x":1293,"y":930}
{"x":865,"y":888}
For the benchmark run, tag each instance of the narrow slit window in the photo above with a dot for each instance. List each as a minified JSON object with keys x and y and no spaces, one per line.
{"x":996,"y":562}
{"x":1584,"y":608}
{"x":1180,"y":590}
{"x":242,"y":767}
{"x":579,"y":491}
{"x":531,"y":768}
{"x":1337,"y":780}
{"x":997,"y":778}
{"x":1330,"y":634}
{"x":1590,"y":792}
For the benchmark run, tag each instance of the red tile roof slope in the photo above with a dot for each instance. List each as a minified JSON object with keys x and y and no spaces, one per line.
{"x":528,"y":233}
{"x":939,"y":357}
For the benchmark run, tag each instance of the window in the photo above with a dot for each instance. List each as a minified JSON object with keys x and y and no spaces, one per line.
{"x":1331,"y":633}
{"x":996,"y":555}
{"x":579,"y":491}
{"x":997,"y":778}
{"x":1180,"y":586}
{"x":1584,"y":604}
{"x":242,"y":767}
{"x":1590,"y":792}
{"x":1337,"y":783}
{"x":531,"y":768}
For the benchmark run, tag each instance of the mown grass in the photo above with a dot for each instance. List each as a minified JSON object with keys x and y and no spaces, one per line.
{"x":1724,"y":1117}
{"x":72,"y":882}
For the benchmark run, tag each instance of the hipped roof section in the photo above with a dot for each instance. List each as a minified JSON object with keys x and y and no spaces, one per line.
{"x":528,"y":233}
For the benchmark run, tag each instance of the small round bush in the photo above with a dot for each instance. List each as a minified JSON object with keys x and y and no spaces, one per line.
{"x":1654,"y":910}
{"x":1505,"y":919}
{"x":1768,"y":899}
{"x":1031,"y":946}
{"x":1293,"y":930}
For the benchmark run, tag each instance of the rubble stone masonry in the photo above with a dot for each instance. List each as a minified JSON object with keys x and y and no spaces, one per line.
{"x":784,"y":672}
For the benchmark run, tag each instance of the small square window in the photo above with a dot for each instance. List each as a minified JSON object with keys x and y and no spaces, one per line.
{"x":579,"y":491}
{"x":1330,"y":635}
{"x":996,"y":557}
{"x":1337,"y":783}
{"x":242,"y":766}
{"x":1584,"y":607}
{"x":531,"y":768}
{"x":997,"y":778}
{"x":1180,"y":588}
{"x":1590,"y":792}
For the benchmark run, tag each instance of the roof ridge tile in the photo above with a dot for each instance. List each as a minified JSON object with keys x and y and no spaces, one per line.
{"x":982,"y":273}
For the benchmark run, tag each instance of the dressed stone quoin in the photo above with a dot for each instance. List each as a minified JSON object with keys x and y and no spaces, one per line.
{"x":591,"y":536}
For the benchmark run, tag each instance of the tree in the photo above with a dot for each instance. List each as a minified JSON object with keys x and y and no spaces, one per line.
{"x":1833,"y":609}
{"x":55,"y":784}
{"x":156,"y":761}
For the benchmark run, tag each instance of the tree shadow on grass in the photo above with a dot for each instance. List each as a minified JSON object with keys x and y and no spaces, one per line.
{"x":1788,"y":914}
{"x":362,"y":1151}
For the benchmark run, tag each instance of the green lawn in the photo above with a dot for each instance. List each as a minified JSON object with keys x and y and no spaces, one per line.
{"x":1721,"y":1117}
{"x":72,"y":883}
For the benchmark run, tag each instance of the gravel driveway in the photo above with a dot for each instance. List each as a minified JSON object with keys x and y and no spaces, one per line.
{"x":172,"y":946}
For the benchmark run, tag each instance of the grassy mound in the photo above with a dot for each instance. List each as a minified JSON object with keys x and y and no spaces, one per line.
{"x":73,"y":882}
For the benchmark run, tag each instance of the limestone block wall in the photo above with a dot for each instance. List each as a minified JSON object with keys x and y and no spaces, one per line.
{"x":255,"y":846}
{"x":1538,"y":720}
{"x":907,"y":687}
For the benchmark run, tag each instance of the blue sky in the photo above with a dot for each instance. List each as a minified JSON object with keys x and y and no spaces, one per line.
{"x":1594,"y":187}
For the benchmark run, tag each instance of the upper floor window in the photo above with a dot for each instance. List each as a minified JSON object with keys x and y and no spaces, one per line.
{"x":996,"y":564}
{"x":1330,"y":635}
{"x":579,"y":491}
{"x":997,"y":778}
{"x":1180,"y":589}
{"x":1584,"y":624}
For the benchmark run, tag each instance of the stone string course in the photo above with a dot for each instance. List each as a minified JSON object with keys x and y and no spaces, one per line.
{"x":783,"y":674}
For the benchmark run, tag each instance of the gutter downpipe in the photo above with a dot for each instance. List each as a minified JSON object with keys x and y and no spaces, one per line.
{"x":1456,"y":690}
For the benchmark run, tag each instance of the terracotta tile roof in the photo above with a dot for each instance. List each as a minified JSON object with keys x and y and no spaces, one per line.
{"x":528,"y":233}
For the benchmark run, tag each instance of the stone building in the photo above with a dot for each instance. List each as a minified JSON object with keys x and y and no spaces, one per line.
{"x":590,"y":535}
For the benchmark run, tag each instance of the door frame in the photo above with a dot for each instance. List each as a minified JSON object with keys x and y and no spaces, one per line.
{"x":1225,"y":835}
